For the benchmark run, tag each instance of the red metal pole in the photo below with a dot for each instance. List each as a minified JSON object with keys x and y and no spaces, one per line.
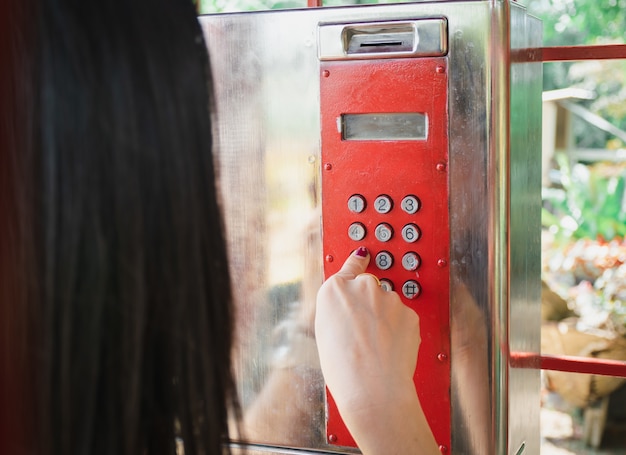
{"x":602,"y":367}
{"x":571,"y":364}
{"x":599,"y":52}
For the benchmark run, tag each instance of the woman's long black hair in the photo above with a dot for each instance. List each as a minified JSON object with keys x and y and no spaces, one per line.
{"x":119,"y":270}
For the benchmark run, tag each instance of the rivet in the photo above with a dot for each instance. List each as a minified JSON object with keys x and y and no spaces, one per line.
{"x":442,"y":357}
{"x":328,"y":166}
{"x":440,"y":69}
{"x":332,"y":438}
{"x":325,"y":73}
{"x":329,"y":258}
{"x":442,"y":263}
{"x":441,"y":166}
{"x":443,"y":449}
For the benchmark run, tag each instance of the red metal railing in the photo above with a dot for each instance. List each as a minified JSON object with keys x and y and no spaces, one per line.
{"x":604,"y":367}
{"x":571,"y":364}
{"x":569,"y":53}
{"x":574,"y":364}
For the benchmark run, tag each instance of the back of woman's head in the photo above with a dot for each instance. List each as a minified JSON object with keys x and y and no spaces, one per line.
{"x":120,"y":267}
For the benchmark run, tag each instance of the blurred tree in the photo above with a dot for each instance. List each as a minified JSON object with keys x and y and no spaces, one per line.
{"x":569,"y":22}
{"x":584,"y":22}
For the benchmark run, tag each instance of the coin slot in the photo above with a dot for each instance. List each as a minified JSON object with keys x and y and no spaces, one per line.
{"x":365,"y":39}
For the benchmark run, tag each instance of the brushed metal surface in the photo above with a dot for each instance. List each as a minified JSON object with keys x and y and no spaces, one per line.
{"x":525,"y":224}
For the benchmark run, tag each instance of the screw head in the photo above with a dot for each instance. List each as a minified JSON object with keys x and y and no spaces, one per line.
{"x":330,"y":258}
{"x":325,"y":73}
{"x":442,"y":357}
{"x":440,"y":69}
{"x":442,"y":263}
{"x":332,"y":438}
{"x":328,"y":166}
{"x":443,"y":449}
{"x":441,"y":166}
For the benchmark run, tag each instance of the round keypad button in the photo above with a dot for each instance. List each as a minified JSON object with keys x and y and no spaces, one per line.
{"x":383,"y":204}
{"x":384,"y":260}
{"x":383,"y":232}
{"x":356,"y":203}
{"x":356,"y":231}
{"x":411,"y":233}
{"x":411,"y":289}
{"x":386,"y":285}
{"x":410,"y":204}
{"x":411,"y":261}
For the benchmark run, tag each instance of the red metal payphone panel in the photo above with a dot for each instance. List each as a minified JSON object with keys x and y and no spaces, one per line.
{"x":385,"y":186}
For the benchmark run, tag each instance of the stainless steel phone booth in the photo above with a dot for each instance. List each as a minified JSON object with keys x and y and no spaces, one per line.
{"x":415,"y":130}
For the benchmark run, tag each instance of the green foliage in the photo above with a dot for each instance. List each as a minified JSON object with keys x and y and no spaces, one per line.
{"x":590,"y":204}
{"x":570,"y":22}
{"x":587,"y":22}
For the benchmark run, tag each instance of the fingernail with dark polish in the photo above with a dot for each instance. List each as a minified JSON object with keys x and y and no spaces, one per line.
{"x":361,"y":251}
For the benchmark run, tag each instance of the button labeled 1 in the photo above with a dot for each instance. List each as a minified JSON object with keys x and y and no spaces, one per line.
{"x":356,"y":203}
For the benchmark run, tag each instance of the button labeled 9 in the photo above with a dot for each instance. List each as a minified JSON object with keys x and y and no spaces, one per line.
{"x":356,"y":203}
{"x":411,"y":261}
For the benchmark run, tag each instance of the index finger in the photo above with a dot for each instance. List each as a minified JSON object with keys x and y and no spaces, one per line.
{"x":356,"y":263}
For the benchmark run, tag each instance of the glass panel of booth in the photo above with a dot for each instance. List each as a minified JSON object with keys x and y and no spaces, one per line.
{"x":268,"y":158}
{"x":268,"y":154}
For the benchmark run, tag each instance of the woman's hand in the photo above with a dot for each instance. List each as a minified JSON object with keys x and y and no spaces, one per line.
{"x":368,"y":342}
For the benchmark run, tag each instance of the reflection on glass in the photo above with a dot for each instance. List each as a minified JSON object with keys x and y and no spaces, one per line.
{"x":268,"y":157}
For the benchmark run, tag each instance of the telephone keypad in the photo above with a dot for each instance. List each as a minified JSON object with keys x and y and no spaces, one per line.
{"x":410,"y":261}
